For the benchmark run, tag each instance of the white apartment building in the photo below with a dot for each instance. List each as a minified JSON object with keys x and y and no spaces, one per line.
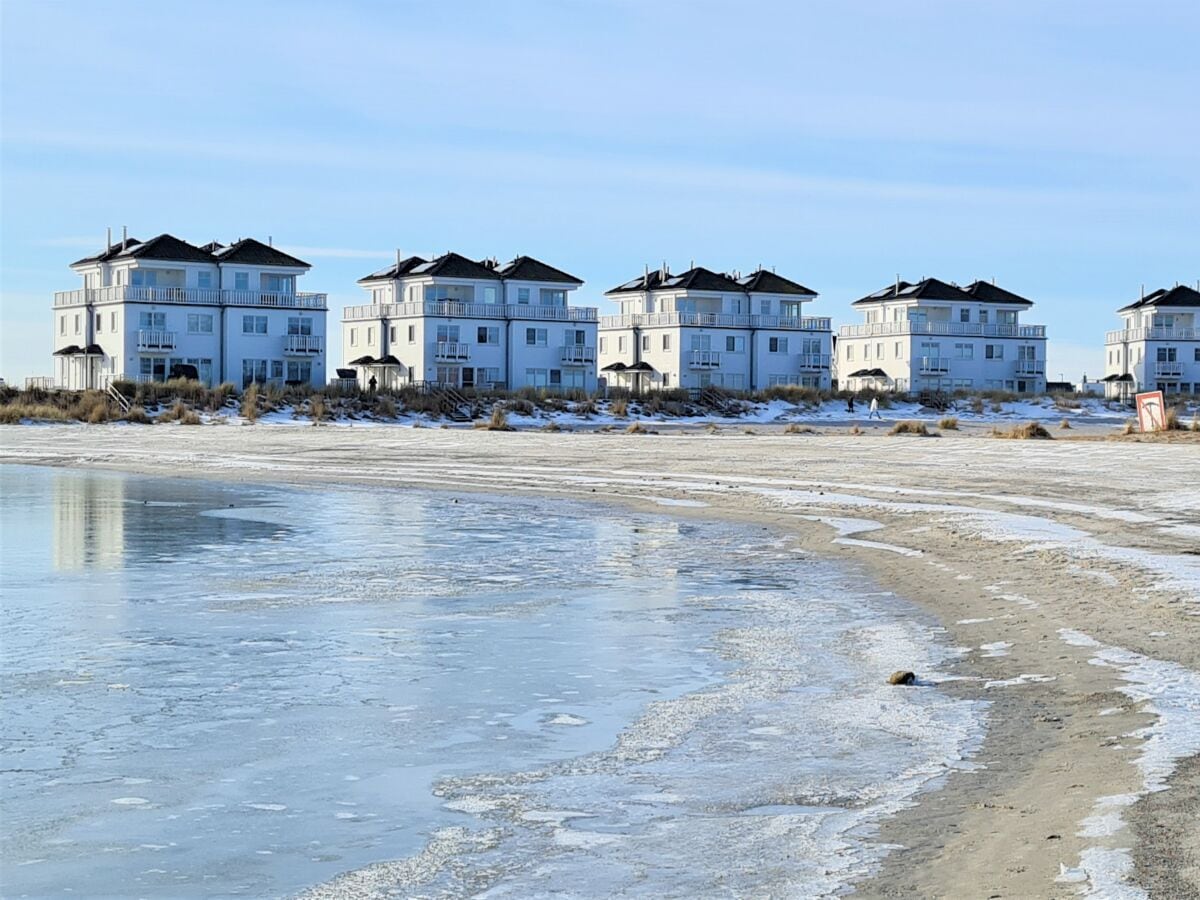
{"x":1158,"y":345}
{"x":456,"y":322}
{"x":935,"y":336}
{"x":150,"y":308}
{"x":701,"y":328}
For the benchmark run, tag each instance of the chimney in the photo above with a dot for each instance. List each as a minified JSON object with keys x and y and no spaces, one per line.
{"x":124,"y":236}
{"x":897,"y":284}
{"x":664,"y":269}
{"x":1143,"y":291}
{"x":108,"y":238}
{"x":397,"y":260}
{"x":270,"y":241}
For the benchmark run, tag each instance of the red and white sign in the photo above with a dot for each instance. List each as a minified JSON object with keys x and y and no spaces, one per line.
{"x":1151,"y":411}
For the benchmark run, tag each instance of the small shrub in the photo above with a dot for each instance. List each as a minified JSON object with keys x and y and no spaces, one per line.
{"x":620,"y":408}
{"x":1064,"y":425}
{"x":317,"y":410}
{"x":1024,"y":432}
{"x":910,"y":426}
{"x":552,"y":426}
{"x":385,"y":407}
{"x":1129,"y":428}
{"x":794,"y":428}
{"x":15,"y":413}
{"x":136,"y":416}
{"x":181,"y":414}
{"x":636,"y":428}
{"x":712,"y":427}
{"x":1173,"y":421}
{"x":749,"y":431}
{"x":856,"y":430}
{"x":949,"y":423}
{"x":977,"y":405}
{"x":1195,"y":422}
{"x":498,"y":421}
{"x":586,"y":408}
{"x":250,"y":403}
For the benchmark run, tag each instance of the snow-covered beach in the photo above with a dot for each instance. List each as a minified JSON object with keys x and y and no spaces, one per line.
{"x":1063,"y":571}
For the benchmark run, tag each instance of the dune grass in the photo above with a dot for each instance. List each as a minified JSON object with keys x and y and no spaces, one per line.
{"x":910,"y":426}
{"x":1024,"y":432}
{"x":949,"y":423}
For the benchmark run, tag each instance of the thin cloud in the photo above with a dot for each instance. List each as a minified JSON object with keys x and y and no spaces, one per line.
{"x":338,"y":252}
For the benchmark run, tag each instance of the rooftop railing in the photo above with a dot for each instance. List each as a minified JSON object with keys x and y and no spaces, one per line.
{"x":133,"y":293}
{"x":966,"y":329}
{"x":446,"y":309}
{"x":717,"y":320}
{"x":1157,"y":333}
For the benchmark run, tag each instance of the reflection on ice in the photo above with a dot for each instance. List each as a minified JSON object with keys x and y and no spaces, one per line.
{"x":249,"y":691}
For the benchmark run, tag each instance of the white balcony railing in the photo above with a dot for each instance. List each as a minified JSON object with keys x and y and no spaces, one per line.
{"x":149,"y":340}
{"x":813,"y":362}
{"x":704,"y":359}
{"x":130,"y":293}
{"x":934,"y":364}
{"x":1159,"y":333}
{"x":446,"y":309}
{"x":966,"y":329}
{"x":717,"y":320}
{"x":1168,"y":369}
{"x":302,"y":344}
{"x":576,"y":355}
{"x":1031,"y":367}
{"x":452,"y":350}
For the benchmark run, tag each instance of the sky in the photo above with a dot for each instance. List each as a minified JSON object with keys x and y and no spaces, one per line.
{"x":1053,"y":146}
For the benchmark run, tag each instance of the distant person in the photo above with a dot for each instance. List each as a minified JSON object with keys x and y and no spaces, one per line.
{"x":874,"y":411}
{"x":372,"y":384}
{"x":850,"y":404}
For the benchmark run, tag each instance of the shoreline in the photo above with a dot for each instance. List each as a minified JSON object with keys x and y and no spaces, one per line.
{"x":1053,"y":748}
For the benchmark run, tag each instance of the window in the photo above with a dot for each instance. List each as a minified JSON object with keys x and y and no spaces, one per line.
{"x":879,"y":351}
{"x":77,"y":323}
{"x":553,"y":297}
{"x":574,"y":337}
{"x":112,"y":322}
{"x":735,"y":344}
{"x":99,"y":322}
{"x":370,"y":336}
{"x":353,"y":337}
{"x":666,"y":345}
{"x":1166,"y":354}
{"x":300,"y":325}
{"x":241,"y":281}
{"x":646,"y":342}
{"x":154,"y":367}
{"x":391,"y":334}
{"x":487,"y":334}
{"x":964,"y":314}
{"x":764,"y":307}
{"x":199,"y":323}
{"x":556,"y":377}
{"x":603,"y":345}
{"x":412,"y":334}
{"x":277,"y":370}
{"x":810,"y":346}
{"x":964,"y":351}
{"x":866,"y":352}
{"x":299,"y":370}
{"x":254,"y":370}
{"x":204,"y":279}
{"x":1196,"y":353}
{"x":777,"y":345}
{"x":898,"y":350}
{"x":489,"y":295}
{"x":621,"y":344}
{"x":447,"y":334}
{"x":993,"y":351}
{"x":701,"y":341}
{"x":152,"y":320}
{"x":253,"y":324}
{"x":850,"y":352}
{"x":62,"y":324}
{"x":666,"y":379}
{"x":535,"y":337}
{"x":456,"y":293}
{"x":1026,"y":352}
{"x":983,"y":317}
{"x":523,"y":296}
{"x":537,"y":377}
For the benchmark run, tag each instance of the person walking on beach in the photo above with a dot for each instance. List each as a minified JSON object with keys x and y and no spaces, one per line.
{"x":874,"y":411}
{"x":850,"y":404}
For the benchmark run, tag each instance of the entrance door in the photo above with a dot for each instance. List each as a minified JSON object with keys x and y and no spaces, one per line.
{"x":468,"y":378}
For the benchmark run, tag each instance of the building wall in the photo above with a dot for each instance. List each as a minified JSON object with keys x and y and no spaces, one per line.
{"x":969,"y":367}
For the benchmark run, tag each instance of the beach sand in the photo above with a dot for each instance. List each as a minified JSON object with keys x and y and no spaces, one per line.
{"x":1067,"y":570}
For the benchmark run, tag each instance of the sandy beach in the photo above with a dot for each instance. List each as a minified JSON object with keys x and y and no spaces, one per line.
{"x":1067,"y":571}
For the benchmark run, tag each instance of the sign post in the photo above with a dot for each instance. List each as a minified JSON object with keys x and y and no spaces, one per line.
{"x":1151,"y":411}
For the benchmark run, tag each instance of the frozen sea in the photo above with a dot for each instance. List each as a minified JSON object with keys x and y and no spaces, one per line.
{"x":218,"y":690}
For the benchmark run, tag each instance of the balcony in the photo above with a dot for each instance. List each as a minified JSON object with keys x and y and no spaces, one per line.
{"x":1031,"y":367}
{"x":716,"y":320}
{"x":1159,"y":333}
{"x":153,"y":340}
{"x":813,"y":362}
{"x":968,"y":329}
{"x":934,"y":365}
{"x":451,"y":351}
{"x":1168,"y":369}
{"x":578,"y":356}
{"x":704,"y":359}
{"x":129,"y":293}
{"x":447,"y":309}
{"x":302,"y":344}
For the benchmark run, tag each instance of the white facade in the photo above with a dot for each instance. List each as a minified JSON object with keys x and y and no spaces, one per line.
{"x":232,"y":313}
{"x":1157,"y":346}
{"x":456,"y":322}
{"x":934,"y":336}
{"x":702,"y":328}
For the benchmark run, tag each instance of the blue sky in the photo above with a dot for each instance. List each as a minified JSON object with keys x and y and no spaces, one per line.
{"x":1054,"y":146}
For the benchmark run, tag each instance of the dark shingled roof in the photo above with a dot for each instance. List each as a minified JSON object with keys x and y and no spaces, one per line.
{"x":695,"y":279}
{"x":770,"y":283}
{"x":249,"y":252}
{"x":986,"y":292}
{"x":395,"y":270}
{"x":167,"y":246}
{"x":526,"y":268}
{"x":103,"y":255}
{"x":1180,"y":295}
{"x":929,"y":289}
